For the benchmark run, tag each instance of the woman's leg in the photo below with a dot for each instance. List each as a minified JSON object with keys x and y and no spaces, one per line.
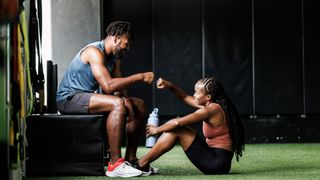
{"x":166,"y":142}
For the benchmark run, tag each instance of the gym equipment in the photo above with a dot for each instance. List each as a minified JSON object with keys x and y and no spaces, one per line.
{"x":65,"y":145}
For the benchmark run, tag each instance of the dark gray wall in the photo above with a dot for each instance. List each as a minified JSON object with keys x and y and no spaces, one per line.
{"x":228,"y":48}
{"x":177,"y":50}
{"x":311,"y":58}
{"x":278,"y":57}
{"x":264,"y":52}
{"x":139,"y":58}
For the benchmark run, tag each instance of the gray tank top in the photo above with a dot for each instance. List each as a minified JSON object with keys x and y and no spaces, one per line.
{"x":79,"y":76}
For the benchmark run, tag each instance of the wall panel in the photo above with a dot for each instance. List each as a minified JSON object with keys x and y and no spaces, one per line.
{"x":177,"y":41}
{"x":312,"y":62}
{"x":139,"y":58}
{"x":228,"y":48}
{"x":278,"y":57}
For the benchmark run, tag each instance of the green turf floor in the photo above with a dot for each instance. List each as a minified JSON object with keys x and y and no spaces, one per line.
{"x":260,"y":161}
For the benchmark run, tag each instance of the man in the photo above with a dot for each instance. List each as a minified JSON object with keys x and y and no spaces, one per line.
{"x":98,"y":64}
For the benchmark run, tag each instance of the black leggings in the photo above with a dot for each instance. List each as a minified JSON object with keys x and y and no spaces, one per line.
{"x":209,"y":160}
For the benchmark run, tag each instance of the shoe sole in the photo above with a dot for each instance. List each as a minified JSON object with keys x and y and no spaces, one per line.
{"x":112,"y":174}
{"x":146,"y":173}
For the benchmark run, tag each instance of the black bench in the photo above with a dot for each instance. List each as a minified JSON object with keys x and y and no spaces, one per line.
{"x":65,"y":145}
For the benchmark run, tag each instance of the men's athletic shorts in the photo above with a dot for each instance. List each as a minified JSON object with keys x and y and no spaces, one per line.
{"x":76,"y":104}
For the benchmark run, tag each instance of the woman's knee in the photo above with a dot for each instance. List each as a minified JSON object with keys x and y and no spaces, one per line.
{"x":179,"y":132}
{"x":186,"y":136}
{"x":184,"y":131}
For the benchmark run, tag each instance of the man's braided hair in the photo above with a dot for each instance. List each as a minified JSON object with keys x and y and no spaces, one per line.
{"x":119,"y":28}
{"x":215,"y":88}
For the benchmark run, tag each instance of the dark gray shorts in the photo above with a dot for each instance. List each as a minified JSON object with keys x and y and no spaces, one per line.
{"x":76,"y":104}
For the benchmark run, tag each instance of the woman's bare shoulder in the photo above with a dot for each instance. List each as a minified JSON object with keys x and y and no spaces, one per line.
{"x":214,"y":107}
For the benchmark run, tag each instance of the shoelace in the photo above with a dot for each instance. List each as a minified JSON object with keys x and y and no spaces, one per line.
{"x":126,"y":163}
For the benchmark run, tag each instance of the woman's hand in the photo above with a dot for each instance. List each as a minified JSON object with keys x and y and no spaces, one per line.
{"x":151,"y":130}
{"x":162,"y":83}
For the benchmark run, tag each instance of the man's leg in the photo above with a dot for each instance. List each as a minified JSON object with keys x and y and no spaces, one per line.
{"x":97,"y":104}
{"x":166,"y":142}
{"x":100,"y":103}
{"x":135,"y":128}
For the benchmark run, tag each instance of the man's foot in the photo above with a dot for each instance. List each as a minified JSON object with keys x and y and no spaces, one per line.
{"x":122,"y":168}
{"x":146,"y":171}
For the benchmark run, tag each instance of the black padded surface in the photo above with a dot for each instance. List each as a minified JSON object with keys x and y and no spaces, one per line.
{"x":65,"y":145}
{"x":278,"y":57}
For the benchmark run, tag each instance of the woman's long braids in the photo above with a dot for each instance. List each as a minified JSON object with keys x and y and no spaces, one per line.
{"x":215,"y":88}
{"x":118,"y":28}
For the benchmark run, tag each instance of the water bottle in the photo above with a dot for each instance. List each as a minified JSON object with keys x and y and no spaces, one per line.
{"x":153,"y":119}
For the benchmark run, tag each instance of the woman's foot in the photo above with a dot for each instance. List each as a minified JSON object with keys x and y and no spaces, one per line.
{"x":146,"y":170}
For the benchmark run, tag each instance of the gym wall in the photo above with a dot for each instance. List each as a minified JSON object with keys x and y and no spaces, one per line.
{"x":262,"y":51}
{"x":139,"y":58}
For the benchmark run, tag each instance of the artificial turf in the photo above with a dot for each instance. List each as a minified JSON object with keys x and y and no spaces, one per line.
{"x":259,"y":161}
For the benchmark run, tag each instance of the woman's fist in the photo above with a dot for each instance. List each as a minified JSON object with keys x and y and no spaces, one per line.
{"x":162,"y":83}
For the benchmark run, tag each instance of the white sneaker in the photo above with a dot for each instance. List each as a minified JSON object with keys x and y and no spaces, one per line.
{"x":122,"y":169}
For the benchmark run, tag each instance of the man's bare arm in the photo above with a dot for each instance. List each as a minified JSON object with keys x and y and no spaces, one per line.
{"x":107,"y":83}
{"x":117,"y":74}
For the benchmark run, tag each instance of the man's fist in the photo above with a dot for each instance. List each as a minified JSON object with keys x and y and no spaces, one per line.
{"x":147,"y":77}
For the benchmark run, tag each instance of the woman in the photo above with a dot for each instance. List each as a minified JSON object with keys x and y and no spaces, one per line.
{"x":222,"y":129}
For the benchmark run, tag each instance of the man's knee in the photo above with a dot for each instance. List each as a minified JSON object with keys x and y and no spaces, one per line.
{"x":118,"y":105}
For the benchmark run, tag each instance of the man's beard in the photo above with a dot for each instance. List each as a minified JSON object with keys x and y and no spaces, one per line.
{"x":119,"y":53}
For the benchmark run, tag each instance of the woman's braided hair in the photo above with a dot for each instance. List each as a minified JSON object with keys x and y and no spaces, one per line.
{"x":215,"y":88}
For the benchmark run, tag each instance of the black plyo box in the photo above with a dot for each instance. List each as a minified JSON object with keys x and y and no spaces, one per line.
{"x":65,"y":145}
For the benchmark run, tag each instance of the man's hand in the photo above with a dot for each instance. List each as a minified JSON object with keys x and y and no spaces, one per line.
{"x":151,"y":130}
{"x":162,"y":83}
{"x":147,"y":77}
